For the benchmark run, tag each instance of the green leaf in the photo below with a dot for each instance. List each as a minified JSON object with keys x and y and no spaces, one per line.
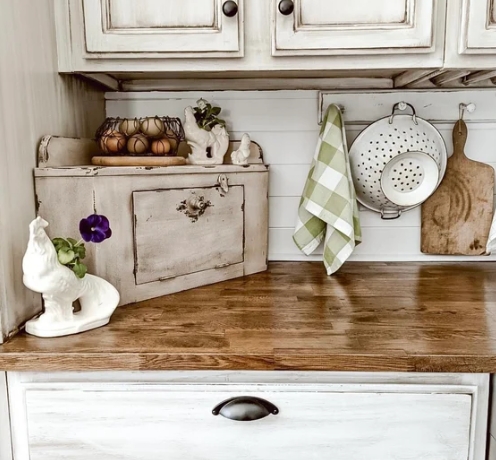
{"x":72,"y":241}
{"x":65,"y":255}
{"x":215,"y":111}
{"x":79,"y":269}
{"x":80,"y":251}
{"x":60,"y":243}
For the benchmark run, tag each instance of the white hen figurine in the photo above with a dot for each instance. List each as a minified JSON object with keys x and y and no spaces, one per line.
{"x":60,"y":287}
{"x":240,"y":156}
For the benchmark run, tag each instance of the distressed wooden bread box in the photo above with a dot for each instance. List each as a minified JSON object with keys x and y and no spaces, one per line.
{"x":174,"y":228}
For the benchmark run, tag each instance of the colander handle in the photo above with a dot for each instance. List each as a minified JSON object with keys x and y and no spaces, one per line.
{"x":390,"y":215}
{"x":403,"y":106}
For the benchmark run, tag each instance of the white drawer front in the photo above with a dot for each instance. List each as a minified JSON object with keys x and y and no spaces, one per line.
{"x":175,"y":422}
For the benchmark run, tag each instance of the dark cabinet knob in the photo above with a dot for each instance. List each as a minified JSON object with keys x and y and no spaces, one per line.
{"x":286,"y":7}
{"x":245,"y":408}
{"x":230,"y":8}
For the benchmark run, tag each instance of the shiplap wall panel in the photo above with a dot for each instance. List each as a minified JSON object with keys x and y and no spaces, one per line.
{"x":285,"y":124}
{"x":35,"y":101}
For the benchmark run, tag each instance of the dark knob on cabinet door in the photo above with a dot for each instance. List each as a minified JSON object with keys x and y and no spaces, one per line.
{"x":230,"y":8}
{"x":286,"y":7}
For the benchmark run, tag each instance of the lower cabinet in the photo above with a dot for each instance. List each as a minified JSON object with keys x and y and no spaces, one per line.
{"x":260,"y":416}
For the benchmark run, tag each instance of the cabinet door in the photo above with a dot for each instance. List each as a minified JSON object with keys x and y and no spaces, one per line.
{"x":353,"y":26}
{"x":478,"y":34}
{"x":182,"y":231}
{"x":175,"y":422}
{"x":175,"y":27}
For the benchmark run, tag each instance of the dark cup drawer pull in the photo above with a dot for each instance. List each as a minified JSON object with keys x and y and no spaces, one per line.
{"x":245,"y":408}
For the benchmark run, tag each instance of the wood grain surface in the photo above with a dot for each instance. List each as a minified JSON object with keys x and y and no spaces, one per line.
{"x":368,"y":317}
{"x":456,"y":219}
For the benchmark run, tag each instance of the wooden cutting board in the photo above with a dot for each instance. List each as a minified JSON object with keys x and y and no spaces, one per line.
{"x":456,"y":219}
{"x":138,"y":161}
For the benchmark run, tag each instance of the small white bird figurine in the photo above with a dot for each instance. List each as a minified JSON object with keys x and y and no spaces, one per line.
{"x":240,"y":156}
{"x":216,"y":140}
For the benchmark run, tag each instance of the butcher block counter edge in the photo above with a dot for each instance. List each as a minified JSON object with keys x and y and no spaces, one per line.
{"x":392,"y":317}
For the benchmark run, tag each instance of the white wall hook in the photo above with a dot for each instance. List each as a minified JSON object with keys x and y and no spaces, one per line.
{"x":470,"y":108}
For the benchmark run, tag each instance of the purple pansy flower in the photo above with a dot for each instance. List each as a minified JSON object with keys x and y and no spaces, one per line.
{"x":95,"y":228}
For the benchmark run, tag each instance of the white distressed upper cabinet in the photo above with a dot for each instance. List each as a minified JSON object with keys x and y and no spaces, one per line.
{"x":177,"y":28}
{"x":128,"y":36}
{"x":306,"y":27}
{"x":471,"y":38}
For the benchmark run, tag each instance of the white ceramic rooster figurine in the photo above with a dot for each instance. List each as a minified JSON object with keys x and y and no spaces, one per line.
{"x":200,"y":140}
{"x":240,"y":156}
{"x":60,"y":287}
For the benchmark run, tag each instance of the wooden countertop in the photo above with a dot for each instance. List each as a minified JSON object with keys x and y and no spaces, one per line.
{"x":369,"y":317}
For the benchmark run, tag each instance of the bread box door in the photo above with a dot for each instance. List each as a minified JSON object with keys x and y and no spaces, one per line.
{"x":183,"y":231}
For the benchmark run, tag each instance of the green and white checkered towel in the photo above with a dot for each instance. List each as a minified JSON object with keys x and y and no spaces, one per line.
{"x":328,"y":206}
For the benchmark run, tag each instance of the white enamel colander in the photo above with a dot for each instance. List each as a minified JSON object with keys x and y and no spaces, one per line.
{"x":382,"y":141}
